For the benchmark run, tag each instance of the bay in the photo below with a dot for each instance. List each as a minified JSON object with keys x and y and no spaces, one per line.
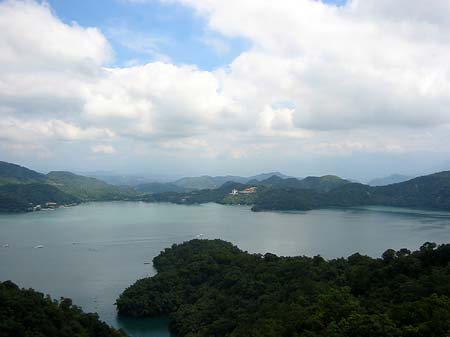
{"x":92,"y":252}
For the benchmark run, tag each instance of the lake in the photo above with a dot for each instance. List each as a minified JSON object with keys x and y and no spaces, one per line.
{"x":92,"y":252}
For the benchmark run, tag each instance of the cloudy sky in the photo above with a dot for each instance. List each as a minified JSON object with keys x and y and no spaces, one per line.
{"x":358,"y":88}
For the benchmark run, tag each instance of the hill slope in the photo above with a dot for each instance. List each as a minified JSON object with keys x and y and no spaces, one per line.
{"x":392,"y":179}
{"x":87,"y":189}
{"x":432,"y":191}
{"x":20,"y":197}
{"x":16,"y":174}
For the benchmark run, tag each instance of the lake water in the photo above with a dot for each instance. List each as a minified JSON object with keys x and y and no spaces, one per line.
{"x":92,"y":252}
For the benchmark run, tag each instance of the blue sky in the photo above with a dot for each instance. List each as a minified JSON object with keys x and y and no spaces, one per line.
{"x":144,"y":31}
{"x":141,"y":32}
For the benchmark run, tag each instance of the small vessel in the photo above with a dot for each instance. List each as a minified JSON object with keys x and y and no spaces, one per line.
{"x":6,"y":245}
{"x":146,"y":262}
{"x":39,"y":246}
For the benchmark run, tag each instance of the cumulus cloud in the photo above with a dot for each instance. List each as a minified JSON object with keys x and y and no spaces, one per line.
{"x":372,"y":75}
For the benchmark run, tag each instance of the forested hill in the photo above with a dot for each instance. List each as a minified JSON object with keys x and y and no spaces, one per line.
{"x":86,"y":188}
{"x":431,"y":191}
{"x":211,"y":288}
{"x":21,"y":189}
{"x":27,"y":313}
{"x":22,"y":197}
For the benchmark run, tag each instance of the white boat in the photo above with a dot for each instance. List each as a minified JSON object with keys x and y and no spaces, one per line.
{"x":39,"y":246}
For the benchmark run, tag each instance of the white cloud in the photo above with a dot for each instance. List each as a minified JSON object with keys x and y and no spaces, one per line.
{"x":104,"y":149}
{"x":369,"y":76}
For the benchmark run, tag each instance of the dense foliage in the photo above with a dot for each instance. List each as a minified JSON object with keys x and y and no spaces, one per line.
{"x":211,"y":288}
{"x":27,"y":313}
{"x":20,"y":197}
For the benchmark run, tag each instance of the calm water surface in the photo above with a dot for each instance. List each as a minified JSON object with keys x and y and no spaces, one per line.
{"x":94,"y":251}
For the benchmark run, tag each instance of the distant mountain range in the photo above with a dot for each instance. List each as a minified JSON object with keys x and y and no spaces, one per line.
{"x":392,"y":179}
{"x":22,"y":189}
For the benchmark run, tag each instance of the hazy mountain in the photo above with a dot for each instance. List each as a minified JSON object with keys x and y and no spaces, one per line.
{"x":392,"y":179}
{"x":264,"y":176}
{"x":118,"y":179}
{"x":160,"y":188}
{"x":16,"y":174}
{"x":204,"y":182}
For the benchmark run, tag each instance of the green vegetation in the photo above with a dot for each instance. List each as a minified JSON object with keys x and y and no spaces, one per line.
{"x":88,"y":189}
{"x":27,"y":313}
{"x":429,"y":192}
{"x":211,"y":288}
{"x":20,"y":197}
{"x":21,"y":189}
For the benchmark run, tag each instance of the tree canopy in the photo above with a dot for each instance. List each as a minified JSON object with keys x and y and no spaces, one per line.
{"x":211,"y":288}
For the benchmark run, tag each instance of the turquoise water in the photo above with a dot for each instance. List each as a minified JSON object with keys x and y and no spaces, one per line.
{"x":92,"y":252}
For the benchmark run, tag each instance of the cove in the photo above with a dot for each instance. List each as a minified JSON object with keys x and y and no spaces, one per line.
{"x":92,"y":252}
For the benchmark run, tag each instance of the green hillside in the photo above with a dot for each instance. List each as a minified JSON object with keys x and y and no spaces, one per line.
{"x":16,"y":174}
{"x":20,"y":197}
{"x":87,"y":189}
{"x":429,"y":192}
{"x":27,"y":313}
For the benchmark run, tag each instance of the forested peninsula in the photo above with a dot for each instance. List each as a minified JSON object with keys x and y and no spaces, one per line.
{"x":212,"y":288}
{"x":28,"y":313}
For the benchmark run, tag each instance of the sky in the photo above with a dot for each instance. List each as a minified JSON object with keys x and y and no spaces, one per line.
{"x":357,"y":88}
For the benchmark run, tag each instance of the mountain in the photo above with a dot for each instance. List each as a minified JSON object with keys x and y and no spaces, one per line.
{"x":20,"y":197}
{"x":25,"y":312}
{"x":264,"y":176}
{"x":87,"y":189}
{"x":160,"y":188}
{"x":16,"y":174}
{"x":209,"y":182}
{"x":212,"y":288}
{"x":118,"y":180}
{"x":392,"y":179}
